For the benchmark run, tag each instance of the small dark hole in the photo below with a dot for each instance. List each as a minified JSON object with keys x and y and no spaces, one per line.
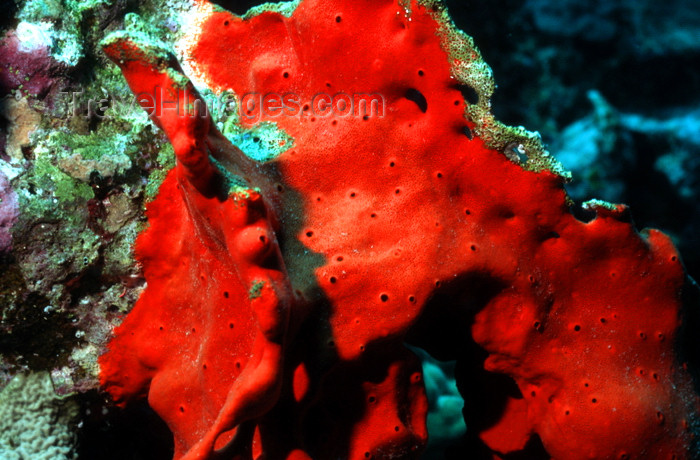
{"x":309,"y":234}
{"x":384,"y":298}
{"x":577,"y":328}
{"x":594,"y":400}
{"x":333,"y":279}
{"x":421,"y":73}
{"x":472,"y":247}
{"x":230,"y":325}
{"x":411,"y":299}
{"x":373,"y":215}
{"x":507,"y":214}
{"x":371,"y":399}
{"x":285,"y":75}
{"x":338,"y":19}
{"x":226,"y":293}
{"x":226,"y":23}
{"x":339,"y":258}
{"x":392,"y":164}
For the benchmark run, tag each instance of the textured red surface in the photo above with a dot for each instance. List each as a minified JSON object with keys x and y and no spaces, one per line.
{"x":209,"y":330}
{"x":392,"y":228}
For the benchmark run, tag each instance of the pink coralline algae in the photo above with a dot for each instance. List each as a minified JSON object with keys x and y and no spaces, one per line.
{"x":30,"y":70}
{"x":280,"y":293}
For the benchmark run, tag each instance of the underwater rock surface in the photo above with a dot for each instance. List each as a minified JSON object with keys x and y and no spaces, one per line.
{"x":8,"y":213}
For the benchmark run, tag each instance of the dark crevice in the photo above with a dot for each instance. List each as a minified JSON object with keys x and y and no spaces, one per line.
{"x":134,"y":433}
{"x":416,"y":96}
{"x":469,"y":94}
{"x":468,"y":132}
{"x":239,"y":7}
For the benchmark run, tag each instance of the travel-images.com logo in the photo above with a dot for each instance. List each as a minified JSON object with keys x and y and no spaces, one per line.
{"x":249,"y":107}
